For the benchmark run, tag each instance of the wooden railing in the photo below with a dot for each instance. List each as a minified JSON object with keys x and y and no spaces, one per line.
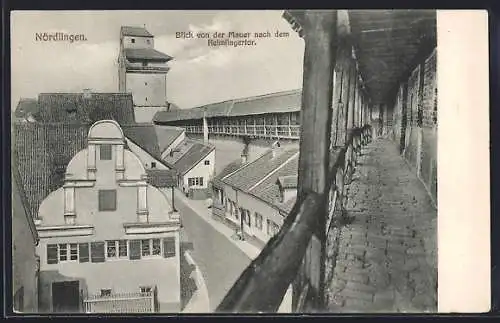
{"x":272,"y":131}
{"x":263,"y":284}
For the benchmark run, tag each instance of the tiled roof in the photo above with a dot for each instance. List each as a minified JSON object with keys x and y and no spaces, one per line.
{"x":166,"y":136}
{"x":153,"y":139}
{"x":146,"y":53}
{"x":269,"y":190}
{"x":254,"y":172}
{"x":162,"y":177}
{"x":280,"y":102}
{"x":135,"y":31}
{"x":145,"y":137}
{"x":189,"y":154}
{"x":78,"y":108}
{"x":233,"y":166}
{"x":42,"y":152}
{"x":25,"y":107}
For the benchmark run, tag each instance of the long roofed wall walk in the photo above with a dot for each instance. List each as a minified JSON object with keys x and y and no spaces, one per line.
{"x":386,"y":258}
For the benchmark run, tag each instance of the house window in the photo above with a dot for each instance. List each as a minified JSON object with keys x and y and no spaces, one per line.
{"x":83,"y":252}
{"x":156,"y":247}
{"x":148,"y":41}
{"x":73,"y":251}
{"x":107,"y":200}
{"x":105,"y":292}
{"x":146,"y":250}
{"x":135,"y":249}
{"x":52,"y":254}
{"x":63,"y":252}
{"x":207,"y":162}
{"x":97,"y":251}
{"x":169,"y":247}
{"x":153,"y":164}
{"x":105,"y":152}
{"x":111,"y":249}
{"x":122,"y":248}
{"x":258,"y":220}
{"x":269,"y":227}
{"x":195,"y":181}
{"x":146,"y":289}
{"x":132,"y":40}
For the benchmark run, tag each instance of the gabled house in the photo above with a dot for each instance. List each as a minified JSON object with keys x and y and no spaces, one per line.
{"x":109,"y":241}
{"x":255,"y":197}
{"x":194,"y":162}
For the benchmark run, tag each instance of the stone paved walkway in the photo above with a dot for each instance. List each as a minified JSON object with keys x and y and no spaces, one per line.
{"x":387,"y":257}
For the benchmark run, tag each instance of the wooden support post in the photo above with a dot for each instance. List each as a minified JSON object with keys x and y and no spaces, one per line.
{"x":352,"y":100}
{"x":320,"y":29}
{"x":346,"y":98}
{"x":420,"y":112}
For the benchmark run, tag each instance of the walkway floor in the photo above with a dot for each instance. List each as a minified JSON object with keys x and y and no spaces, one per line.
{"x":387,"y":257}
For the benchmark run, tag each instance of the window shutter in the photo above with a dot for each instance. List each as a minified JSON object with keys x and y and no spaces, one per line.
{"x":201,"y":181}
{"x":52,"y":254}
{"x":135,"y":249}
{"x":84,"y":252}
{"x":169,"y":247}
{"x":97,"y":251}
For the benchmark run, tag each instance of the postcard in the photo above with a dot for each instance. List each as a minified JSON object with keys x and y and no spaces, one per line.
{"x":281,"y":161}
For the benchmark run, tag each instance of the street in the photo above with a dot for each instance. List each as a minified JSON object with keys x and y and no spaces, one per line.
{"x":220,"y":261}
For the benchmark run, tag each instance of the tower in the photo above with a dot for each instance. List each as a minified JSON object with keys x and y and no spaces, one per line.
{"x":142,"y":71}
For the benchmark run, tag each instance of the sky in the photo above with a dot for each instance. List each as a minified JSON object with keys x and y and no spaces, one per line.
{"x":199,"y":74}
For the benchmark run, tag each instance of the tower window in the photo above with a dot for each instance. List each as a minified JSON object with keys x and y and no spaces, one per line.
{"x":145,"y":83}
{"x":132,"y":40}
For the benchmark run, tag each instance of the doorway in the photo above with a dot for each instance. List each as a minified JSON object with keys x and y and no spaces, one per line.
{"x":66,"y":296}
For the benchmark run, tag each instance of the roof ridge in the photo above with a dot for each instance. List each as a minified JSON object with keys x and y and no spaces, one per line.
{"x":275,"y":170}
{"x":260,"y":96}
{"x":246,"y":98}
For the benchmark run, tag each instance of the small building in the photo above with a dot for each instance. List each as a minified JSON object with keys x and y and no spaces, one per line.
{"x":25,"y":262}
{"x":194,"y":162}
{"x":109,"y":241}
{"x":142,"y":71}
{"x":255,"y":197}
